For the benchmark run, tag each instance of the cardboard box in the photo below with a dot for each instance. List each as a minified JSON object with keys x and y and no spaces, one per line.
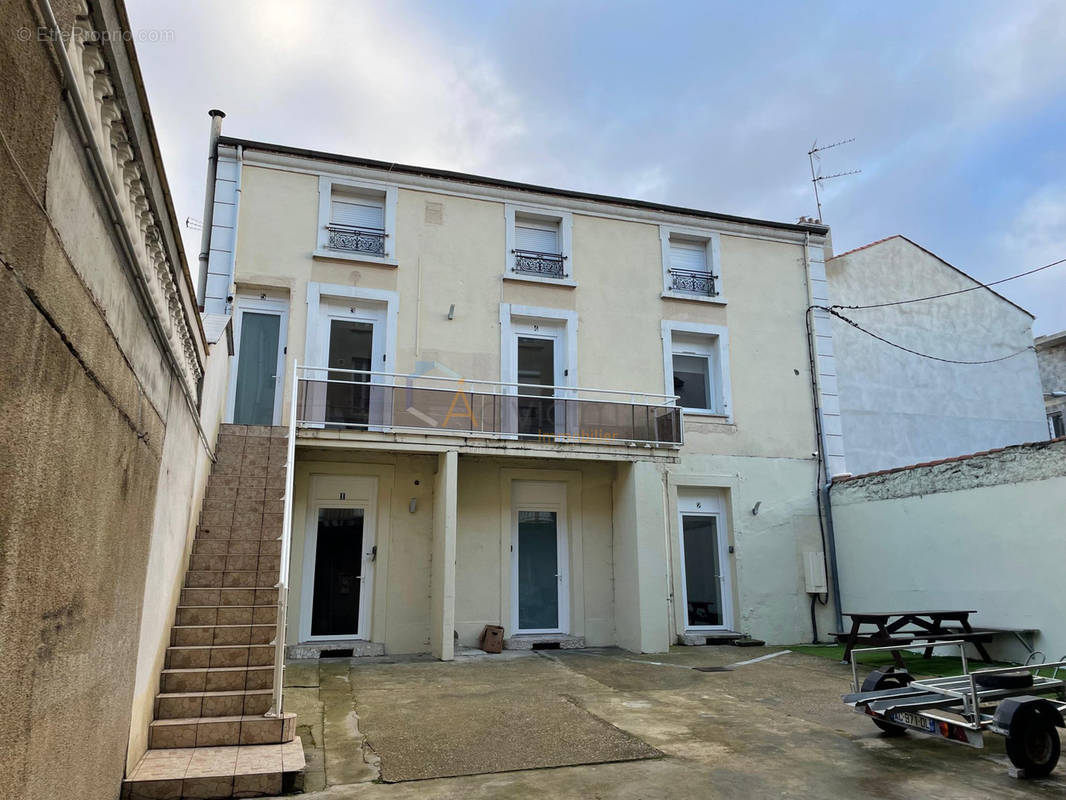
{"x":492,"y":639}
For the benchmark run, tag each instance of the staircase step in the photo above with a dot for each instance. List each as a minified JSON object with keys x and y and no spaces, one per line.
{"x":194,"y":657}
{"x":261,"y":596}
{"x":215,"y":562}
{"x":226,"y":615}
{"x":195,"y":635}
{"x":181,"y":705}
{"x":262,"y":770}
{"x":216,"y":679}
{"x":220,"y":731}
{"x":235,"y":579}
{"x":237,"y":547}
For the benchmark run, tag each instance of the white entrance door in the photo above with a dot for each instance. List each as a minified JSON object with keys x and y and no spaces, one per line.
{"x":350,"y":341}
{"x":338,"y":562}
{"x":260,"y":325}
{"x":539,"y":356}
{"x":706,"y":575}
{"x":540,"y":563}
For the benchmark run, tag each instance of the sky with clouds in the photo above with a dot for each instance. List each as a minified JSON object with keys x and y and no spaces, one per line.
{"x":958,"y":109}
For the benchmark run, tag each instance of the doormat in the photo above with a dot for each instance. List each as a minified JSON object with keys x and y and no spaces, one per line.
{"x":476,"y":734}
{"x":713,"y":669}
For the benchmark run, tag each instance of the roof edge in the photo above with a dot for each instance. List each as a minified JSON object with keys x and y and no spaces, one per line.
{"x":408,"y":169}
{"x":942,"y":260}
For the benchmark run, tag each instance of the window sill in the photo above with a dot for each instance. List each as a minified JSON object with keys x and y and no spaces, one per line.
{"x":708,"y":416}
{"x":362,"y":258}
{"x":717,"y":300}
{"x":518,"y":276}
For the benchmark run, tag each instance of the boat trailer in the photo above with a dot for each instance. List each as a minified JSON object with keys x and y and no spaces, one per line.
{"x":1015,"y":702}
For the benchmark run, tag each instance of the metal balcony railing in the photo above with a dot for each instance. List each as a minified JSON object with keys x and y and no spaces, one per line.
{"x":530,"y":262}
{"x":692,"y":280}
{"x":565,"y":415}
{"x":358,"y":240}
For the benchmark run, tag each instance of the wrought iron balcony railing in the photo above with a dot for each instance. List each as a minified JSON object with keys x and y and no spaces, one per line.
{"x":385,"y":401}
{"x":693,"y":281}
{"x":357,"y":240}
{"x":530,"y":262}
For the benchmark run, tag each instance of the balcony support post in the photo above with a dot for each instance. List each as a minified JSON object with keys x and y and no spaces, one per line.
{"x":442,"y":579}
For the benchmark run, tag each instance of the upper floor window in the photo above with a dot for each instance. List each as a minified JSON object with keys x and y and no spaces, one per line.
{"x":697,"y":367}
{"x":356,"y":221}
{"x":690,"y":265}
{"x":538,"y":245}
{"x":1056,"y":425}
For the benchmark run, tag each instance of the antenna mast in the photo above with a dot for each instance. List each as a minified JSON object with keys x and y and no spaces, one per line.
{"x":812,"y":156}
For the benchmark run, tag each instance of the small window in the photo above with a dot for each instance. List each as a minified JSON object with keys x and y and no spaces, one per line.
{"x":1057,"y":425}
{"x":538,"y":245}
{"x":356,"y":222}
{"x":690,"y":265}
{"x":697,"y":367}
{"x":692,"y":381}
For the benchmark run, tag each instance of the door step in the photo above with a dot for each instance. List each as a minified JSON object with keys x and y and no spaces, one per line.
{"x":341,"y":648}
{"x":261,"y":770}
{"x":544,"y":641}
{"x":694,"y":639}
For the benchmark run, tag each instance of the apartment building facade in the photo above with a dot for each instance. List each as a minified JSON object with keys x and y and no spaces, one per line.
{"x":586,"y":419}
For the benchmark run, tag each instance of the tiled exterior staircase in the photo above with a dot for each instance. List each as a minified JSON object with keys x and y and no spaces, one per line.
{"x":210,"y":738}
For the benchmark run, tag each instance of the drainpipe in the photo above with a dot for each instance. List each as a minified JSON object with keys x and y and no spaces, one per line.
{"x":209,"y":204}
{"x":831,"y":541}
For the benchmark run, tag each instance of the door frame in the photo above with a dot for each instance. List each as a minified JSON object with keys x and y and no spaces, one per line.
{"x":367,"y":501}
{"x":542,"y":496}
{"x":706,"y":503}
{"x":261,"y":304}
{"x":515,"y":320}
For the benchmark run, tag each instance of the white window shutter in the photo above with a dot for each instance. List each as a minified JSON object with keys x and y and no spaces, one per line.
{"x":538,"y":237}
{"x":358,"y":212}
{"x":688,"y":255}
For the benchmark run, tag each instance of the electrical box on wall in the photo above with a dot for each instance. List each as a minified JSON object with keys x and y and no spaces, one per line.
{"x":814,"y":573}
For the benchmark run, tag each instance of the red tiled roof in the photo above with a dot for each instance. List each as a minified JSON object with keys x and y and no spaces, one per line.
{"x":939,"y":461}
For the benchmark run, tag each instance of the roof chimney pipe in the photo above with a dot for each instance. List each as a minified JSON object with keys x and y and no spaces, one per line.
{"x":209,"y":204}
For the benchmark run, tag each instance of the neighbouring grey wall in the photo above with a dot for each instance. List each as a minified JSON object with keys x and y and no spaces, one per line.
{"x":100,"y":458}
{"x":984,"y":533}
{"x":898,"y":408}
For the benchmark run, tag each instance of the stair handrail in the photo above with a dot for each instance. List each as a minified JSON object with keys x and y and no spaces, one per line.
{"x":286,"y":547}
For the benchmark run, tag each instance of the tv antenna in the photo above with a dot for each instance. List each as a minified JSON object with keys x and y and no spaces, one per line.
{"x":812,"y":156}
{"x":193,"y":224}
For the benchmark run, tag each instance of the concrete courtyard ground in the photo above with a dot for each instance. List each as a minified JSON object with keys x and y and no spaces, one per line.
{"x":655,"y":728}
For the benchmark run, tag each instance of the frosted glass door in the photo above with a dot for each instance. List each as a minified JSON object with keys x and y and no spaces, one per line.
{"x":256,"y":369}
{"x":538,"y":571}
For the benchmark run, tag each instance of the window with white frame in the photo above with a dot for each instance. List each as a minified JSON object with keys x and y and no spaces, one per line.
{"x":690,"y":264}
{"x":538,"y":244}
{"x":697,"y":367}
{"x":356,"y":221}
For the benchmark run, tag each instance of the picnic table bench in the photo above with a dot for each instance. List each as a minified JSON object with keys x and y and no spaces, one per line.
{"x":905,"y":627}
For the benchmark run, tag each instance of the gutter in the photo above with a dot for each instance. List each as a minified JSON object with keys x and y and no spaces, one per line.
{"x":114,"y":213}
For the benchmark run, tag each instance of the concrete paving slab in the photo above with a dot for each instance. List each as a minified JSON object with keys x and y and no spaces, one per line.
{"x":770,"y":728}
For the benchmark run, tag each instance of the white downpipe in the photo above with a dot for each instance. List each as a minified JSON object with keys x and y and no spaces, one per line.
{"x":286,"y":547}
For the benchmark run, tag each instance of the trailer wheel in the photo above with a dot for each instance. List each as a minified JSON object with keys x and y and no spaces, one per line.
{"x":886,"y":680}
{"x":1033,"y":746}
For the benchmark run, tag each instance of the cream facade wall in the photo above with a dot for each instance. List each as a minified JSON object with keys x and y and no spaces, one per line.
{"x":765,"y":448}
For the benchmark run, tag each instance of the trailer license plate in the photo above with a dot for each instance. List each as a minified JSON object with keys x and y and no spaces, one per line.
{"x":914,"y":720}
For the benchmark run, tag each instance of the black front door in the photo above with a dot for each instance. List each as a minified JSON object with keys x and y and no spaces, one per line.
{"x":338,"y":572}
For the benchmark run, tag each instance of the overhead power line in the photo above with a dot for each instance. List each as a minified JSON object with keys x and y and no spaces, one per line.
{"x":833,"y":310}
{"x":957,"y":291}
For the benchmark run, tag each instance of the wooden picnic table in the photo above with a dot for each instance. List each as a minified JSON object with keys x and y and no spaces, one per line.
{"x":902,"y":627}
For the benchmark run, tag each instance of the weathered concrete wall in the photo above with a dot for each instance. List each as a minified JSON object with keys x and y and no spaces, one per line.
{"x":90,"y":414}
{"x":953,"y":536}
{"x":1051,"y":358}
{"x":900,"y":409}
